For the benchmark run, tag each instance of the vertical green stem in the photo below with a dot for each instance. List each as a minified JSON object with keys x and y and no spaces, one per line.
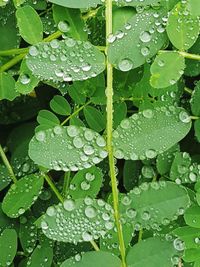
{"x":66,"y":183}
{"x":109,"y":94}
{"x":7,"y":164}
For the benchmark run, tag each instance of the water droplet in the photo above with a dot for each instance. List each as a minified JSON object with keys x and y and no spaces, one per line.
{"x":63,"y":26}
{"x":87,"y":236}
{"x":69,"y":204}
{"x":151,"y":153}
{"x":72,"y":131}
{"x":51,"y":211}
{"x":90,"y":212}
{"x":145,"y":37}
{"x":78,"y":142}
{"x":147,"y":113}
{"x":125,"y":64}
{"x":179,"y":244}
{"x":33,"y":51}
{"x":24,"y":79}
{"x":40,"y":136}
{"x":184,"y":117}
{"x":85,"y":186}
{"x":131,"y":213}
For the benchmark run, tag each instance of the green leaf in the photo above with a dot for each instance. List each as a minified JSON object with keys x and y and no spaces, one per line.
{"x":41,"y":256}
{"x":182,"y":28}
{"x":22,"y":195}
{"x":88,"y":259}
{"x":164,"y":160}
{"x":7,"y":86}
{"x":67,"y":148}
{"x":46,"y":117}
{"x":120,"y":112}
{"x":60,"y":105}
{"x":194,"y":7}
{"x":194,"y":102}
{"x":152,"y":252}
{"x":95,"y":217}
{"x":77,"y":3}
{"x":94,"y":118}
{"x":66,"y":60}
{"x":69,"y":21}
{"x":8,"y":246}
{"x":183,"y":170}
{"x":197,"y":129}
{"x":26,"y":81}
{"x":167,"y":69}
{"x":153,"y":204}
{"x":30,"y":24}
{"x":126,"y":56}
{"x":193,"y":66}
{"x":189,"y":235}
{"x":150,"y":132}
{"x":192,"y":216}
{"x":28,"y":241}
{"x":5,"y":178}
{"x":121,"y":16}
{"x":8,"y":30}
{"x":86,"y":183}
{"x":191,"y":254}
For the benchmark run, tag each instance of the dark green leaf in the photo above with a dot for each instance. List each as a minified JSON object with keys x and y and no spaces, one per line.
{"x":8,"y":246}
{"x":60,"y":105}
{"x":94,"y":118}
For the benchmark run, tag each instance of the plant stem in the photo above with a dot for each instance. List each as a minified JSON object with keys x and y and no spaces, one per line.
{"x":15,"y":51}
{"x":194,"y":117}
{"x":188,"y":90}
{"x":7,"y":164}
{"x":75,"y":112}
{"x":66,"y":183}
{"x":53,"y":187}
{"x":184,"y":54}
{"x":61,"y":199}
{"x":18,"y":58}
{"x":109,"y":106}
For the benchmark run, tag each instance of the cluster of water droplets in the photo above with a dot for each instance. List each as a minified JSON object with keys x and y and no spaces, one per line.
{"x":149,"y":217}
{"x":144,"y":40}
{"x":5,"y":177}
{"x":65,"y":60}
{"x":23,"y":166}
{"x":78,"y":220}
{"x":183,"y":170}
{"x":124,"y":135}
{"x":77,"y":148}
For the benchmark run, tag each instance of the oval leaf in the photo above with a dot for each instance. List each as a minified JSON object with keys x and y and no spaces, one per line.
{"x":133,"y":44}
{"x":182,"y":28}
{"x":154,"y":204}
{"x":67,"y":148}
{"x":94,"y":219}
{"x":41,"y":256}
{"x":30,"y":24}
{"x":152,"y":252}
{"x":66,"y":60}
{"x":60,"y":105}
{"x":86,"y":183}
{"x":167,"y":69}
{"x":7,"y":86}
{"x":150,"y":132}
{"x":22,"y":195}
{"x":47,"y":118}
{"x":8,"y":246}
{"x":99,"y":257}
{"x":94,"y":118}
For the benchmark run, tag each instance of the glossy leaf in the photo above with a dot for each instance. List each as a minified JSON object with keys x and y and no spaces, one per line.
{"x":30,"y":24}
{"x":77,"y":3}
{"x":7,"y":86}
{"x":60,"y":105}
{"x":67,"y":148}
{"x":67,"y":60}
{"x":154,"y":204}
{"x":94,"y":118}
{"x":8,"y":246}
{"x":69,"y":21}
{"x":87,"y":260}
{"x":26,"y":81}
{"x":86,"y":183}
{"x":22,"y":195}
{"x":182,"y":28}
{"x":189,"y":235}
{"x":41,"y":256}
{"x":152,"y":252}
{"x":46,"y":117}
{"x":121,"y":53}
{"x":167,"y":69}
{"x":195,"y":100}
{"x":150,"y":132}
{"x":94,"y":219}
{"x":192,"y":216}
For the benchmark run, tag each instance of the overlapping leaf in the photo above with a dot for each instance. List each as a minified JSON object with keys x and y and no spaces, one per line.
{"x":67,"y":148}
{"x":66,"y":60}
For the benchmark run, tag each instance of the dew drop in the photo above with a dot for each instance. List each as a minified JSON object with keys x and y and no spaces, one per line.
{"x":69,"y":204}
{"x":125,"y":64}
